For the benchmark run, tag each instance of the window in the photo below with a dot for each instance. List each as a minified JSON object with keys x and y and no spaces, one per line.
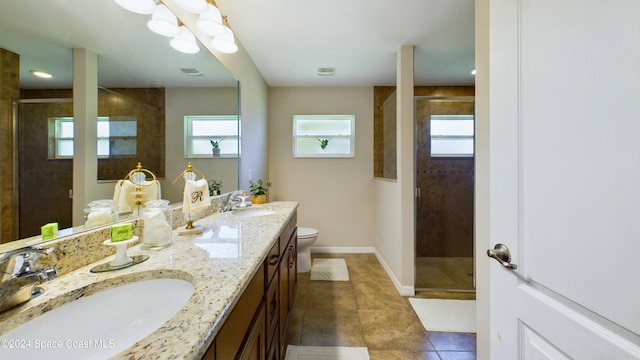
{"x":324,"y":136}
{"x":63,"y":138}
{"x":200,"y":130}
{"x":116,"y":136}
{"x":452,"y":135}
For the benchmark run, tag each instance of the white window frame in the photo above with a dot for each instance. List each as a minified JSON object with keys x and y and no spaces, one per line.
{"x":188,"y":135}
{"x":453,"y":137}
{"x":67,"y":119}
{"x":324,"y":153}
{"x":57,"y":121}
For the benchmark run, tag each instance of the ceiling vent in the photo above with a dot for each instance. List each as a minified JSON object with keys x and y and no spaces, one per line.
{"x":326,"y":71}
{"x":191,"y":72}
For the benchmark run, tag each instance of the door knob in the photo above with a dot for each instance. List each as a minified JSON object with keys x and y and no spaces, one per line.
{"x":501,"y":253}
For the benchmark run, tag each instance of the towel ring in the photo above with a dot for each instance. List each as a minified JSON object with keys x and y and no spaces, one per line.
{"x":137,"y":176}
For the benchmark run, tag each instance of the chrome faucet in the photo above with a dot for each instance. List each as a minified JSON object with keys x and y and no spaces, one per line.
{"x":230,"y":200}
{"x":18,"y":276}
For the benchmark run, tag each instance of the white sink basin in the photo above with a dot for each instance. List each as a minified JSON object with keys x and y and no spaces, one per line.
{"x":253,"y":213}
{"x":100,"y":325}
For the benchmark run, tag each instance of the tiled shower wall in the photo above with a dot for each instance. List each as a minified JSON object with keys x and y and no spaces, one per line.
{"x":444,"y":211}
{"x":9,"y":92}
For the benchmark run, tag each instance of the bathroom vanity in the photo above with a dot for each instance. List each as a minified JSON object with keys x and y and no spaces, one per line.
{"x":243,"y":272}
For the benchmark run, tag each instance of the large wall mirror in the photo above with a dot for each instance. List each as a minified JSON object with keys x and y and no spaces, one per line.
{"x":146,"y":89}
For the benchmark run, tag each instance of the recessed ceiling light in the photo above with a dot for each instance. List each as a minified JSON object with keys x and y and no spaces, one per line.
{"x":41,"y":74}
{"x":326,"y":71}
{"x":473,"y":71}
{"x":191,"y":72}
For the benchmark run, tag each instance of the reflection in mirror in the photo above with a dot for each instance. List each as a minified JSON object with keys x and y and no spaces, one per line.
{"x":132,"y":64}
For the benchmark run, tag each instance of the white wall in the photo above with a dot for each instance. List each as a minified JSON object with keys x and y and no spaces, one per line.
{"x":395,"y":213}
{"x":337,"y":196}
{"x":180,"y":102}
{"x":254,"y":94}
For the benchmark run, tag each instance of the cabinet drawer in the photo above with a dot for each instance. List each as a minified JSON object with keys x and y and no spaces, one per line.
{"x":271,"y":263}
{"x":272,"y":305}
{"x":286,"y":233}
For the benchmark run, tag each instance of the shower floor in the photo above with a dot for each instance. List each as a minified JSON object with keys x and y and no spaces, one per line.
{"x":444,"y":273}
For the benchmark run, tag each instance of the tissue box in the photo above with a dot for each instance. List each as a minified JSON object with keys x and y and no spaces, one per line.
{"x":121,"y":232}
{"x":49,"y":231}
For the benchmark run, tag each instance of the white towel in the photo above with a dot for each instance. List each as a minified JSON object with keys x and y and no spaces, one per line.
{"x":125,"y":202}
{"x":196,"y":196}
{"x":124,"y":194}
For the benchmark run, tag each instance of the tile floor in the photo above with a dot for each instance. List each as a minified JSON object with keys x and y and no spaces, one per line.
{"x":367,"y":311}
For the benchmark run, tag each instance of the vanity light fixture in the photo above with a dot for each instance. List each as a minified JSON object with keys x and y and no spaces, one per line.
{"x":225,"y":43}
{"x":185,"y":41}
{"x":210,"y":22}
{"x":163,"y":22}
{"x":41,"y":74}
{"x":138,"y":6}
{"x":194,"y":6}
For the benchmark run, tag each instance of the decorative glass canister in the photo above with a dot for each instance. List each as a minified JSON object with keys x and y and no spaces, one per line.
{"x":156,"y":227}
{"x":100,"y":213}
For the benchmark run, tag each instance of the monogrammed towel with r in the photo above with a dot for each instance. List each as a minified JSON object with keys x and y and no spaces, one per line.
{"x":196,"y":196}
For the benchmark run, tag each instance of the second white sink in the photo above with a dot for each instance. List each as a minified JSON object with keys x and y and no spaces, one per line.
{"x":100,"y":325}
{"x":253,"y":213}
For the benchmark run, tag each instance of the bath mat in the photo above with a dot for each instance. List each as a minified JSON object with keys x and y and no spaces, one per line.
{"x":446,"y":315}
{"x":326,"y":353}
{"x":329,"y":270}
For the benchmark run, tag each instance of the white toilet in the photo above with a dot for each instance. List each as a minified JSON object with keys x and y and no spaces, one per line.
{"x":306,"y":238}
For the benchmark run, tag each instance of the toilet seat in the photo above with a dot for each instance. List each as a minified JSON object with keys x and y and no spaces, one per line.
{"x":304,"y":232}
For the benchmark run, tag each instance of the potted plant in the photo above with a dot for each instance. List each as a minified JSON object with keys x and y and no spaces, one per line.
{"x":215,"y":147}
{"x":259,"y":191}
{"x":214,"y":187}
{"x":323,"y":143}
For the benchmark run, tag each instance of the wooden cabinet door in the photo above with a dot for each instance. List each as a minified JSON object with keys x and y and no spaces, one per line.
{"x":255,"y":346}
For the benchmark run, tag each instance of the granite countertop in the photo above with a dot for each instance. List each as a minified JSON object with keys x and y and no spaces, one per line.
{"x":219,"y":263}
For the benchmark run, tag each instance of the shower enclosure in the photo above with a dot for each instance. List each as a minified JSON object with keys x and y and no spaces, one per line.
{"x":444,"y":192}
{"x":43,"y":178}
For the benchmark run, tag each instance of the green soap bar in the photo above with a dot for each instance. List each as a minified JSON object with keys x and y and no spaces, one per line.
{"x":49,"y":231}
{"x":121,"y":232}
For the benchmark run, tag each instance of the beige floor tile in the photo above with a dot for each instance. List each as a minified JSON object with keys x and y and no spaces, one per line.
{"x":331,"y":328}
{"x":368,"y":311}
{"x":393,"y":330}
{"x":330,"y":295}
{"x":402,"y":355}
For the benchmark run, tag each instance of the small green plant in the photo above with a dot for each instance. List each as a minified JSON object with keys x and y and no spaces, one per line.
{"x":260,"y":187}
{"x":214,"y":187}
{"x":215,"y":144}
{"x":323,"y":143}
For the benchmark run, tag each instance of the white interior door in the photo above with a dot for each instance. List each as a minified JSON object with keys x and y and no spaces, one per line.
{"x":564,"y":110}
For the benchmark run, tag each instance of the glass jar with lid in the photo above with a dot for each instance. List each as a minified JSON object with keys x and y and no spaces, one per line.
{"x":99,"y":213}
{"x":156,"y":226}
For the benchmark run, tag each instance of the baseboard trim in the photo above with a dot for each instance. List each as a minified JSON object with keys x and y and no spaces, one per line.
{"x":343,"y":250}
{"x":402,"y":290}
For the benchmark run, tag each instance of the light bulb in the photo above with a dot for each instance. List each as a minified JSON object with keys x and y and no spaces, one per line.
{"x":185,"y":42}
{"x":163,"y":22}
{"x":225,"y":43}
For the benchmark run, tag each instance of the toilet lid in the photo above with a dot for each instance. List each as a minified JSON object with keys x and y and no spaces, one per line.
{"x":304,"y":232}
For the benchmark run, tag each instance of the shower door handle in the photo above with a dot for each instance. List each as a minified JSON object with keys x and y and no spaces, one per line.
{"x":501,"y":253}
